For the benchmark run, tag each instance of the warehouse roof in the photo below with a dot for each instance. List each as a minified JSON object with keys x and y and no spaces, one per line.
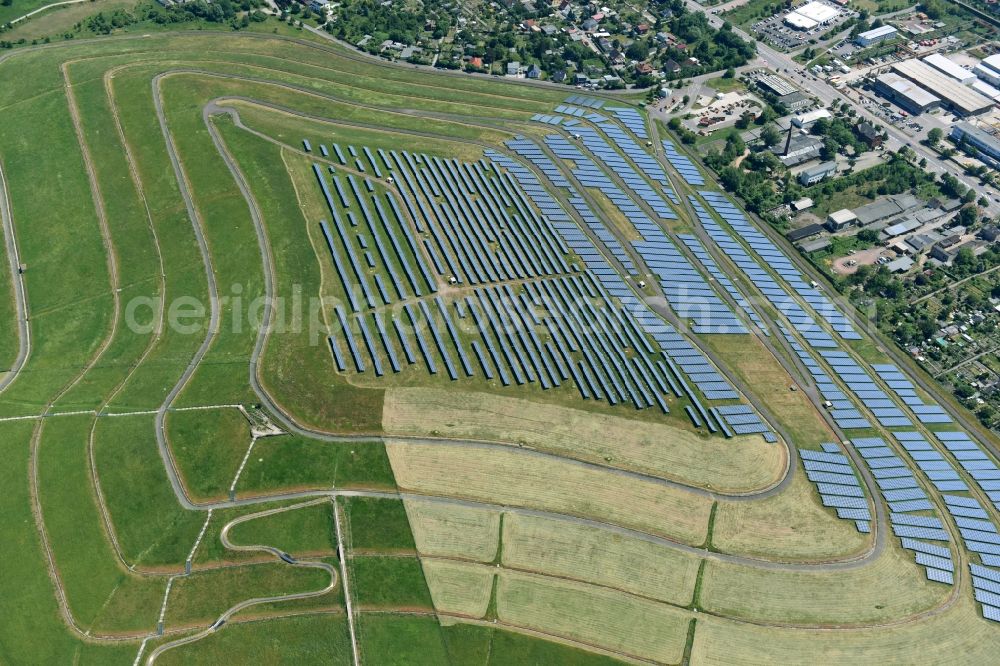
{"x":964,"y":99}
{"x":799,"y":21}
{"x":817,"y":11}
{"x":917,"y":95}
{"x":875,"y":33}
{"x":952,"y":69}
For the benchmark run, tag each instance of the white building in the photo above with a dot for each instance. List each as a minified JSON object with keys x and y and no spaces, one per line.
{"x":807,"y":119}
{"x":810,"y":15}
{"x":950,"y":68}
{"x":876,"y":35}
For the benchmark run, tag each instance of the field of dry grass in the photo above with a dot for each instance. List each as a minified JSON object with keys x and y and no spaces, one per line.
{"x":461,"y":588}
{"x":652,"y":448}
{"x":598,"y":556}
{"x":955,"y":636}
{"x":592,"y":615}
{"x":507,"y":477}
{"x":446,"y":530}
{"x":792,"y":525}
{"x":889,"y":588}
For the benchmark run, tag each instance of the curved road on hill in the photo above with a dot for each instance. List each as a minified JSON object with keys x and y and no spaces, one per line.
{"x":243,"y":605}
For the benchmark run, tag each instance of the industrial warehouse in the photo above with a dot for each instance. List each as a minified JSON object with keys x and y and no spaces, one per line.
{"x":957,"y":97}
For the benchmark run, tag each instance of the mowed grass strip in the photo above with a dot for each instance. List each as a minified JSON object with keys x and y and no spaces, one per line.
{"x":593,"y":616}
{"x":291,"y":462}
{"x":376,"y":525}
{"x":102,"y":594}
{"x":741,"y":464}
{"x":389,"y":582}
{"x":291,"y":129}
{"x":447,"y":530}
{"x":400,"y":640}
{"x":459,"y":588}
{"x":67,"y":279}
{"x":32,"y":631}
{"x":296,"y":367}
{"x":309,"y":639}
{"x":957,"y":635}
{"x":889,"y":588}
{"x":792,"y":525}
{"x":594,"y":555}
{"x":509,"y":477}
{"x":770,"y":382}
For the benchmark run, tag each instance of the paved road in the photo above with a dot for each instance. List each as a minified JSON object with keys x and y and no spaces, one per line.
{"x":243,"y":605}
{"x":17,"y":283}
{"x":46,"y":7}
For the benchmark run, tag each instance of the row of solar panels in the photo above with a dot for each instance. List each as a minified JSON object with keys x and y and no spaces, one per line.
{"x":583,"y":100}
{"x":685,"y":167}
{"x":898,"y":383}
{"x":833,"y":487}
{"x":906,"y":499}
{"x":632,"y":119}
{"x":547,"y":119}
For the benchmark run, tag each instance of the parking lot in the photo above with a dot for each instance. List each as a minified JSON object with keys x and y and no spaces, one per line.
{"x":774,"y":30}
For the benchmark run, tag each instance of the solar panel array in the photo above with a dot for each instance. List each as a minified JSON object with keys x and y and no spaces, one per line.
{"x":926,"y":412}
{"x":630,"y":118}
{"x":864,"y":388}
{"x":766,"y":250}
{"x":681,"y":355}
{"x":975,"y":462}
{"x":908,"y":504}
{"x":775,"y":293}
{"x":583,"y":100}
{"x":685,"y":167}
{"x":591,"y":175}
{"x":617,"y":164}
{"x":646,"y":163}
{"x":562,"y":328}
{"x":838,"y":486}
{"x":688,"y":292}
{"x":699,"y":251}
